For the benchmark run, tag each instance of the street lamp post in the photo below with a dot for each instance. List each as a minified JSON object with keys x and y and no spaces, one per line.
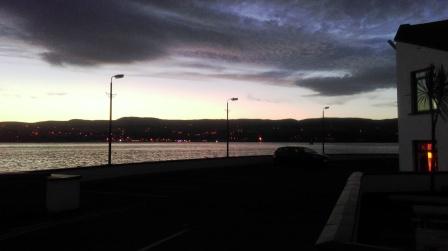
{"x":110,"y":118}
{"x":228,"y":135}
{"x":323,"y":128}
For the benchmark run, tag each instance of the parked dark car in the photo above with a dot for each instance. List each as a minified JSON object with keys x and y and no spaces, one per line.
{"x":297,"y":156}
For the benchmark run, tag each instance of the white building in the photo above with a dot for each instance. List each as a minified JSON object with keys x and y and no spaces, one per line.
{"x":418,"y":47}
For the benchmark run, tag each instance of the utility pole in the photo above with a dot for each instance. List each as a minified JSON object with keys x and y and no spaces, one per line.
{"x":323,"y":128}
{"x":109,"y":162}
{"x":228,"y":133}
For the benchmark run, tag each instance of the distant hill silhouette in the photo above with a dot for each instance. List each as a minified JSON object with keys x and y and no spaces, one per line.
{"x":244,"y":130}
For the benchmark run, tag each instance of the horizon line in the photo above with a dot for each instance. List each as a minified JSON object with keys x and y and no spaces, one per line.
{"x":27,"y":122}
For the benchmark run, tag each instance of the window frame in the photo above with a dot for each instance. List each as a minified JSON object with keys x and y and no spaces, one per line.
{"x":414,"y":94}
{"x":416,"y":150}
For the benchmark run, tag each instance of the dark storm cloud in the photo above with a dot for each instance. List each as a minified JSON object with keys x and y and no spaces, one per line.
{"x":364,"y":80}
{"x":285,"y":36}
{"x":88,"y":32}
{"x":269,"y":77}
{"x":80,"y":32}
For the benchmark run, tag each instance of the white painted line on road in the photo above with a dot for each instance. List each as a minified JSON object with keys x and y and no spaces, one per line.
{"x":157,"y":243}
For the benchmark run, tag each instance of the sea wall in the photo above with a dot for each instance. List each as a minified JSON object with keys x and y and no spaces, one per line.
{"x":122,"y":170}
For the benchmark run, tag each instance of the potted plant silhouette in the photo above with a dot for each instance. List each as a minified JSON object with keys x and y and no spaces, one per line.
{"x":434,"y":94}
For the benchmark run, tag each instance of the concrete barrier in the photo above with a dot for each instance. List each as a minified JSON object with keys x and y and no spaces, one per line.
{"x":122,"y":170}
{"x":340,"y":231}
{"x":31,"y":193}
{"x":342,"y":223}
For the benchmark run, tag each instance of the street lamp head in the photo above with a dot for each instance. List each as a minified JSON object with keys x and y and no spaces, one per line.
{"x":119,"y":76}
{"x":234,"y":99}
{"x":326,"y":107}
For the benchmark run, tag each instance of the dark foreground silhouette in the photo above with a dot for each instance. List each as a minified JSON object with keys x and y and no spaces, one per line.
{"x":251,"y":208}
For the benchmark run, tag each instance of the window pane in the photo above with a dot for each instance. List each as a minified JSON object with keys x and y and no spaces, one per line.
{"x":420,"y":96}
{"x":425,"y":156}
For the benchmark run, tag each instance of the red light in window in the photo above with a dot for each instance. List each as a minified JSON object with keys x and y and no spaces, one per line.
{"x":430,"y":161}
{"x":429,"y":155}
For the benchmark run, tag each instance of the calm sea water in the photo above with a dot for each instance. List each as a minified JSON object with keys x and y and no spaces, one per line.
{"x":26,"y":157}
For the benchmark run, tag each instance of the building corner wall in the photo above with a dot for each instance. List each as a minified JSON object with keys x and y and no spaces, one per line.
{"x":412,"y":127}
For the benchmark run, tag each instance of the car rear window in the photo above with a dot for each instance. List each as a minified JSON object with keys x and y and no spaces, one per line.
{"x":309,"y":151}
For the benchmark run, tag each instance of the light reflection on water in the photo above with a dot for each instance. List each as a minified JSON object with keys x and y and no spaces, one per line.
{"x":39,"y":156}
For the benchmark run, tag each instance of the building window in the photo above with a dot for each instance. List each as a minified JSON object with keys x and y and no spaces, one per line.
{"x":420,"y":97}
{"x":424,"y":156}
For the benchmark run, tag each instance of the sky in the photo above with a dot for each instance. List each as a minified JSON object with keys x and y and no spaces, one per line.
{"x":185,"y":59}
